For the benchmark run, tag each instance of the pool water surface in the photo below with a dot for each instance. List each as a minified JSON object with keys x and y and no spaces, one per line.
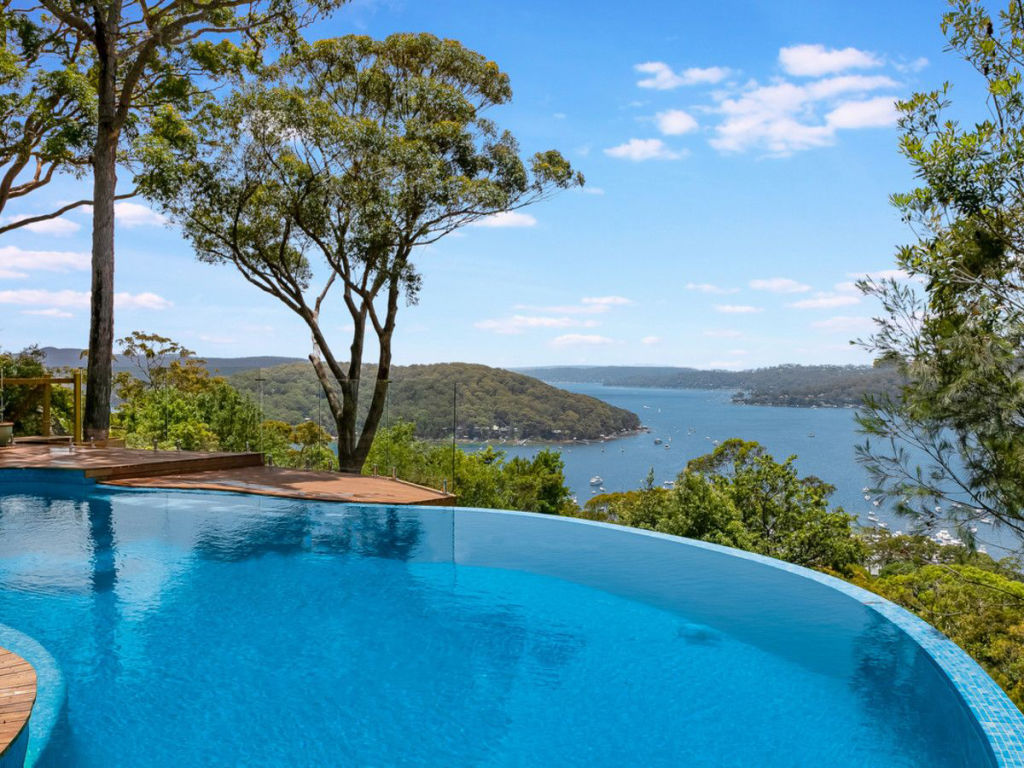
{"x":218,"y":629}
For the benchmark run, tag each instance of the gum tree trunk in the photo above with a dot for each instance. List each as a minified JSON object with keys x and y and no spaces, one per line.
{"x":101,"y":326}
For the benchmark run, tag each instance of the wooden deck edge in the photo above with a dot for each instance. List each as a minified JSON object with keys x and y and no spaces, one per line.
{"x":17,"y":698}
{"x":176,"y":466}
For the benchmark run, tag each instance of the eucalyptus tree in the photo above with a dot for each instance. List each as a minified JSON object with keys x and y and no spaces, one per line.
{"x":47,"y":109}
{"x":150,"y":64}
{"x":956,"y":328}
{"x":318,"y":181}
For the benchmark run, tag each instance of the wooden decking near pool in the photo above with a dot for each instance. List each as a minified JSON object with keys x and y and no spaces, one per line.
{"x":239,"y":472}
{"x":114,"y":463}
{"x":298,"y":484}
{"x":17,"y":695}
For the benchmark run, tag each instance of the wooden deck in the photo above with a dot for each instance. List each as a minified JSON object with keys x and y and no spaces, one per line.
{"x":239,"y":472}
{"x":116,"y":463}
{"x":298,"y":484}
{"x":17,"y":696}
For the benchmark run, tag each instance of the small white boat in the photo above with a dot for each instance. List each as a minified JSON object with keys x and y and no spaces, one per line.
{"x":657,"y":441}
{"x":596,"y":480}
{"x":670,"y":484}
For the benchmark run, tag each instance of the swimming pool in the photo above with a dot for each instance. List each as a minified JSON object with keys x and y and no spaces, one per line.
{"x":198,"y":629}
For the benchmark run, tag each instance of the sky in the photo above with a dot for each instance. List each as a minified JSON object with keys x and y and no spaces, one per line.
{"x":739,"y":157}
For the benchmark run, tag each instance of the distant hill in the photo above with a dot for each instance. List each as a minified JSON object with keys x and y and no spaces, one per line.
{"x":66,"y":357}
{"x":791,"y":385}
{"x":491,"y":403}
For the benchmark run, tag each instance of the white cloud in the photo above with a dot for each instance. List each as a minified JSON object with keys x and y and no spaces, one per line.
{"x":912,"y":66}
{"x":663,"y":78}
{"x":784,"y":117}
{"x":607,"y":301}
{"x":826,"y":301}
{"x":13,"y":258}
{"x":54,"y":227}
{"x":709,"y":288}
{"x":643,"y":149}
{"x":80,"y":299}
{"x":722,"y":333}
{"x":844,"y":324}
{"x":506,"y":219}
{"x":575,"y":339}
{"x":675,"y":122}
{"x":10,"y":274}
{"x":779,"y":285}
{"x":872,"y":113}
{"x":736,"y":309}
{"x":649,"y":340}
{"x":135,"y":215}
{"x":51,"y":312}
{"x":816,"y":60}
{"x":31,"y":296}
{"x":141,"y":301}
{"x":591,"y":190}
{"x":519,"y":323}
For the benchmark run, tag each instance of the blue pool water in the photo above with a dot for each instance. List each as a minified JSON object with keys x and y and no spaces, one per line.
{"x":218,"y":629}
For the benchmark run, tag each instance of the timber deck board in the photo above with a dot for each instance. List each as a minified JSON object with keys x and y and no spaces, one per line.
{"x":17,"y":696}
{"x":298,"y":484}
{"x":103,"y":463}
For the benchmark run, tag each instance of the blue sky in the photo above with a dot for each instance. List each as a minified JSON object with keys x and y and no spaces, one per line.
{"x":738,"y":155}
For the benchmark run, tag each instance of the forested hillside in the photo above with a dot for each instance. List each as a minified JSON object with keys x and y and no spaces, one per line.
{"x":794,"y":385}
{"x":490,"y":403}
{"x":68,"y":357}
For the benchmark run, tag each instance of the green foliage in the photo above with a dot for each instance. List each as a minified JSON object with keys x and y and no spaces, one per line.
{"x":171,"y":401}
{"x":353,"y":152}
{"x":24,"y":405}
{"x":168,"y":399}
{"x":521,"y":407}
{"x":47,"y":106}
{"x":484,"y":478}
{"x":739,"y":496}
{"x":957,"y":335}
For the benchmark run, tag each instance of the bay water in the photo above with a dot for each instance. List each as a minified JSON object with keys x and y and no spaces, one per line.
{"x":686,"y":423}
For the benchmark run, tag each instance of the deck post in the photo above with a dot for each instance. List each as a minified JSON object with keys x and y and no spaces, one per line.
{"x":47,"y":393}
{"x":78,"y":406}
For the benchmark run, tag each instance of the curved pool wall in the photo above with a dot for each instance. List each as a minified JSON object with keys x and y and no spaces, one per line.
{"x":805,"y":616}
{"x":49,"y":709}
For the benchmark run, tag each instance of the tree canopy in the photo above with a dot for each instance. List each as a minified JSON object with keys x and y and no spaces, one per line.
{"x":956,"y":327}
{"x":484,"y":478}
{"x":739,"y":496}
{"x":47,"y":107}
{"x":348,"y":154}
